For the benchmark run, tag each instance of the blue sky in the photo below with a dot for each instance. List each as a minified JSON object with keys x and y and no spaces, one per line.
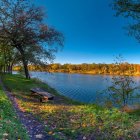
{"x":92,"y":33}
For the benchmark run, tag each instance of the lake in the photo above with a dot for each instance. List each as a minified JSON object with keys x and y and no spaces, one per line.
{"x":79,"y":87}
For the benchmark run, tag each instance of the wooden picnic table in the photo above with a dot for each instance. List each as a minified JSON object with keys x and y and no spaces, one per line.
{"x":42,"y":94}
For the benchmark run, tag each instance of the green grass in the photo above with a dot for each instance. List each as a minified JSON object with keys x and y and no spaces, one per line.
{"x":21,"y":87}
{"x":67,"y":119}
{"x":10,"y":127}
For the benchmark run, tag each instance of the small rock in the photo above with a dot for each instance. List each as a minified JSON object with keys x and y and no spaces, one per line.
{"x":84,"y":138}
{"x":39,"y":136}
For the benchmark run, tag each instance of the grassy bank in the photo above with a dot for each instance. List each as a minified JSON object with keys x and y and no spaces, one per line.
{"x":10,"y":127}
{"x":69,"y":120}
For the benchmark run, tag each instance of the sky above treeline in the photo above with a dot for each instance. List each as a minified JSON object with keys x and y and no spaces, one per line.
{"x":92,"y":33}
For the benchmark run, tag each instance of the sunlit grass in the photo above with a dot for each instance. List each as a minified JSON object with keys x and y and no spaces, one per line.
{"x":10,"y":127}
{"x":66,"y":119}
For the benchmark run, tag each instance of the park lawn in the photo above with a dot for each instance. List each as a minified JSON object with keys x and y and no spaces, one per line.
{"x":10,"y":126}
{"x":67,"y":119}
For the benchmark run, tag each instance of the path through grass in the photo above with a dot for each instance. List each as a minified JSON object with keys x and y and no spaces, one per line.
{"x":10,"y":126}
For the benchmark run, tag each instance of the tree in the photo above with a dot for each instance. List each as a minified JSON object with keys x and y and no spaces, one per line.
{"x":8,"y":57}
{"x":123,"y":87}
{"x":22,"y":27}
{"x":130,"y":9}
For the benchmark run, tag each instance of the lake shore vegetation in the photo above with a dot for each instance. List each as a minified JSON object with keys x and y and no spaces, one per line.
{"x":123,"y":89}
{"x":67,"y":119}
{"x":95,"y":69}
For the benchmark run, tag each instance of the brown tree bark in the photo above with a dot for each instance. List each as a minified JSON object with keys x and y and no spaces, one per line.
{"x":25,"y":68}
{"x":24,"y":61}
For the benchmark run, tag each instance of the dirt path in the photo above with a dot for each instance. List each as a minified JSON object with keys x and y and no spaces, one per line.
{"x":35,"y":129}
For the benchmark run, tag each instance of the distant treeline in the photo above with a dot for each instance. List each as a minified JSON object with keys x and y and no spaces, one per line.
{"x":133,"y":69}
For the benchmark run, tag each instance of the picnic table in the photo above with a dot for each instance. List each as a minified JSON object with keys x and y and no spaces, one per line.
{"x":42,"y":94}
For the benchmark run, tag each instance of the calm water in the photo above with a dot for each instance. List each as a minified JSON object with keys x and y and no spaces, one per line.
{"x":79,"y":87}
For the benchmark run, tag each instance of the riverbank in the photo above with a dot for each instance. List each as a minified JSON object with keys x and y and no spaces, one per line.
{"x":85,"y":73}
{"x":67,"y":119}
{"x":92,"y":73}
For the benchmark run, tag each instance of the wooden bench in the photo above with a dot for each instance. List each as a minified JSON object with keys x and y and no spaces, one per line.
{"x":42,"y":94}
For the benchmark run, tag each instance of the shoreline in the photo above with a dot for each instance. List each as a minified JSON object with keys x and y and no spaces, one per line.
{"x":59,"y":94}
{"x":72,"y":119}
{"x":56,"y":93}
{"x":84,"y":73}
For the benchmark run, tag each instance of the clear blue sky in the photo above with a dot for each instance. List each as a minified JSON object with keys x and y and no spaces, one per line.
{"x":92,"y":33}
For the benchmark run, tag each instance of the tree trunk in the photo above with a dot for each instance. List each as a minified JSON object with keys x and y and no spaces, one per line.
{"x":1,"y":68}
{"x":25,"y":68}
{"x":7,"y":70}
{"x":4,"y":69}
{"x":24,"y":61}
{"x":11,"y":68}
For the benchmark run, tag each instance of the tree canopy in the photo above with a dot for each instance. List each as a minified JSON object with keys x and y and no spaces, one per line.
{"x":22,"y":28}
